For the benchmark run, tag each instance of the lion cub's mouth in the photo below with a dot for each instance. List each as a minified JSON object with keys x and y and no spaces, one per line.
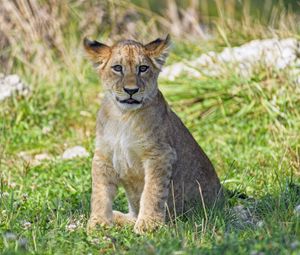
{"x":129,"y":101}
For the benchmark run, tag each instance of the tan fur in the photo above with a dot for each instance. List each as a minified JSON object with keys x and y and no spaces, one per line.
{"x":143,"y":147}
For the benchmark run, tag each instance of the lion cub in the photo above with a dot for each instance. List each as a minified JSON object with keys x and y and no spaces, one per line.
{"x":141,"y":144}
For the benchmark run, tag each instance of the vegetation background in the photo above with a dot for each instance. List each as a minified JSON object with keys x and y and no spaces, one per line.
{"x":248,"y":127}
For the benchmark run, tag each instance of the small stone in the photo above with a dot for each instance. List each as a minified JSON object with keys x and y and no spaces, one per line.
{"x":260,"y":223}
{"x":77,"y":151}
{"x":294,"y":245}
{"x":85,"y":114}
{"x":10,"y":85}
{"x":297,"y":210}
{"x":26,"y":224}
{"x":4,"y":194}
{"x":106,"y":238}
{"x":240,"y":212}
{"x":46,"y":130}
{"x":12,"y":185}
{"x":71,"y":227}
{"x":36,"y":160}
{"x":25,"y":156}
{"x":242,"y":217}
{"x":24,"y":196}
{"x":95,"y":241}
{"x":42,"y":156}
{"x":109,"y":239}
{"x":12,"y":79}
{"x":22,"y":243}
{"x":9,"y":236}
{"x":257,"y":253}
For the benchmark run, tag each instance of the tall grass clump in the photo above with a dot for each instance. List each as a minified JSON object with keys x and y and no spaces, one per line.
{"x":45,"y":36}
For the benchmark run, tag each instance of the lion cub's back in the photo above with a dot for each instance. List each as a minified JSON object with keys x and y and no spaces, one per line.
{"x":192,"y":172}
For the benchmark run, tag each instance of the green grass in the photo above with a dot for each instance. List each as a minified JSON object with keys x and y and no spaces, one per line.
{"x":249,"y":128}
{"x":252,"y":147}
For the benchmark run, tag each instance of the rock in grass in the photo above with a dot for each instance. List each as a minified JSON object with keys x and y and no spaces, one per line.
{"x":242,"y":217}
{"x":74,"y":152}
{"x":245,"y":61}
{"x":36,"y":160}
{"x":71,"y":227}
{"x":22,"y":243}
{"x":257,"y":253}
{"x":10,"y":85}
{"x":295,"y":245}
{"x":9,"y":236}
{"x":26,"y":224}
{"x":297,"y":210}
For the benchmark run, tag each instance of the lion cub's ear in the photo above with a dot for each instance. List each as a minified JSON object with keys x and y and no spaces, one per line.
{"x":158,"y":50}
{"x":98,"y":53}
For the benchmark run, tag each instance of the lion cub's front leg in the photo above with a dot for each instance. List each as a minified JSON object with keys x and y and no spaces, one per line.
{"x":158,"y":171}
{"x":104,"y":186}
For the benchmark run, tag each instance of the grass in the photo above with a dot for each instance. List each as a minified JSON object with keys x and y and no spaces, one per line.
{"x":255,"y":150}
{"x":249,"y":129}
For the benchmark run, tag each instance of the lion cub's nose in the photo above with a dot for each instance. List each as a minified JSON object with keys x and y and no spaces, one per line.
{"x":131,"y":91}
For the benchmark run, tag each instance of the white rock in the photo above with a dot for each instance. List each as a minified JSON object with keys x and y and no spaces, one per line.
{"x":77,"y":151}
{"x":260,"y":223}
{"x":11,"y":84}
{"x":257,"y":253}
{"x":42,"y":156}
{"x":39,"y":158}
{"x":4,"y":93}
{"x":275,"y":54}
{"x":9,"y":236}
{"x":242,"y":217}
{"x":4,"y":194}
{"x":22,"y":243}
{"x":12,"y":185}
{"x":297,"y":210}
{"x":294,"y":245}
{"x":46,"y":130}
{"x":71,"y":227}
{"x":12,"y":79}
{"x":241,"y":212}
{"x":34,"y":160}
{"x":95,"y":241}
{"x":26,"y":224}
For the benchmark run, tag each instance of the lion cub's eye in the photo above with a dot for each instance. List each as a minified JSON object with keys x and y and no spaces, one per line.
{"x":143,"y":68}
{"x":117,"y":68}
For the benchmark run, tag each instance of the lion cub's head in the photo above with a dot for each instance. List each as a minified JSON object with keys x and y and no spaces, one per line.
{"x":129,"y":69}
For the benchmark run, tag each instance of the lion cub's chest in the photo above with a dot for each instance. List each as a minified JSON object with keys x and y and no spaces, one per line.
{"x":123,"y":146}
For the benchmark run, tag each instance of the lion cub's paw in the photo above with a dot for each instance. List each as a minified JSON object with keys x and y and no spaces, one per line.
{"x":149,"y":224}
{"x":123,"y":219}
{"x":93,"y":223}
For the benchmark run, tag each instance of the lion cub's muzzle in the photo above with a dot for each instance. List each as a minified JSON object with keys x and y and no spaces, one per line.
{"x":131,"y":99}
{"x":131,"y":91}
